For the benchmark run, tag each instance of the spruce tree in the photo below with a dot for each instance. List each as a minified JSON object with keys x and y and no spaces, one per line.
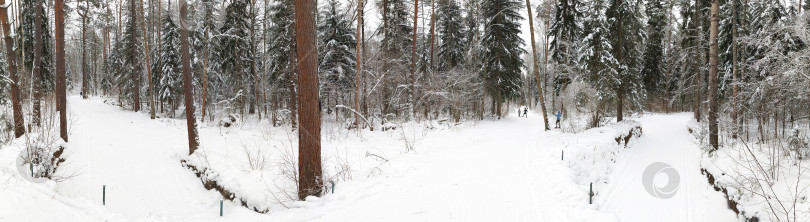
{"x":337,"y":50}
{"x":235,"y":53}
{"x":170,"y":84}
{"x":652,"y":73}
{"x":27,"y":30}
{"x":565,"y":28}
{"x":451,"y":33}
{"x":280,"y":34}
{"x":598,"y":60}
{"x":121,"y":60}
{"x":626,"y":31}
{"x":503,"y":46}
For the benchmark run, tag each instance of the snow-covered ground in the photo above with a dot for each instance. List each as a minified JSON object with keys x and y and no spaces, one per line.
{"x":505,"y":170}
{"x":765,"y":178}
{"x":666,"y":140}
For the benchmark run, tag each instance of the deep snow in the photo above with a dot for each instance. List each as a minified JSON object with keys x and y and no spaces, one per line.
{"x":504,"y":170}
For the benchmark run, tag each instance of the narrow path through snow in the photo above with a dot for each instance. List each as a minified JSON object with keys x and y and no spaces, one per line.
{"x":506,"y":170}
{"x":666,"y":140}
{"x":137,"y":158}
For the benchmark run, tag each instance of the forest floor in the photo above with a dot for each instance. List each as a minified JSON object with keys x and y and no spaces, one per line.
{"x":504,"y":170}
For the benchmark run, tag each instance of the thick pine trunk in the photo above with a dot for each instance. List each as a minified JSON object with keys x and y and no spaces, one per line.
{"x":19,"y":126}
{"x":309,"y":135}
{"x":193,"y":141}
{"x":535,"y":65}
{"x":61,"y":97}
{"x":713,"y":75}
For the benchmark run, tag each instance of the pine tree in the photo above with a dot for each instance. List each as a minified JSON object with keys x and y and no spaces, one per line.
{"x":337,"y":49}
{"x":626,"y":31}
{"x":310,"y":181}
{"x":713,"y":140}
{"x":451,"y":33}
{"x":503,"y":47}
{"x":654,"y":53}
{"x":19,"y":125}
{"x":191,"y":125}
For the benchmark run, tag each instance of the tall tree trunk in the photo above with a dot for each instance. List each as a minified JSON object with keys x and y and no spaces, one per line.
{"x":159,"y":34}
{"x":545,"y":54}
{"x":205,"y":74}
{"x":309,"y":136}
{"x":193,"y":139}
{"x":61,"y":96}
{"x":713,"y":74}
{"x":293,"y":77}
{"x":620,"y":59}
{"x":433,"y":32}
{"x":698,"y":77}
{"x":359,"y":62}
{"x":83,"y":16}
{"x":19,"y":125}
{"x":363,"y":60}
{"x":255,"y":105}
{"x":148,"y":69}
{"x":669,"y":61}
{"x":136,"y":67}
{"x":535,"y":65}
{"x":37,"y":80}
{"x":412,"y":98}
{"x":734,"y":124}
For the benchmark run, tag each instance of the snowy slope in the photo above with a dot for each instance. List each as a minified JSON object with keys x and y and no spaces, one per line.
{"x":506,"y":170}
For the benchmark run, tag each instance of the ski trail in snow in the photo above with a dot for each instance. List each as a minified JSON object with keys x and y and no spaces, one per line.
{"x":505,"y":170}
{"x":666,"y":140}
{"x":138,"y":159}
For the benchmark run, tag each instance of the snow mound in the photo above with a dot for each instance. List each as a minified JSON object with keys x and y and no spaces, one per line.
{"x":595,"y":151}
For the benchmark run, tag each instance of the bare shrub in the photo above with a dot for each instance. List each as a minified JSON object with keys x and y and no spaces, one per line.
{"x":258,"y":158}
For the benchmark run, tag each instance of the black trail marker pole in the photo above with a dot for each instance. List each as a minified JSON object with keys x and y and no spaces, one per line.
{"x":590,"y":200}
{"x":104,"y":195}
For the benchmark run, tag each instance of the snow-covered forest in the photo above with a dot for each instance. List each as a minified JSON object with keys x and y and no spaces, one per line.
{"x":393,"y":110}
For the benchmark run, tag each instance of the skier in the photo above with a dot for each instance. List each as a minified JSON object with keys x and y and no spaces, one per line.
{"x":519,"y":112}
{"x":559,"y":113}
{"x":525,"y":112}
